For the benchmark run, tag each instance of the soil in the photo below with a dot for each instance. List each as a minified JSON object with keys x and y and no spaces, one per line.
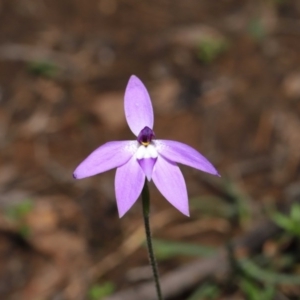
{"x":224,"y":77}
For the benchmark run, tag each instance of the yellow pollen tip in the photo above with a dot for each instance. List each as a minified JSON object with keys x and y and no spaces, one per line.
{"x":145,"y":143}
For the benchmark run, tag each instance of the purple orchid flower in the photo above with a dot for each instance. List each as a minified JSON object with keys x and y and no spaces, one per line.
{"x":144,"y":157}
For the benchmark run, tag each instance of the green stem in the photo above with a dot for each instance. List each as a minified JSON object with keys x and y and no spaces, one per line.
{"x":146,"y":210}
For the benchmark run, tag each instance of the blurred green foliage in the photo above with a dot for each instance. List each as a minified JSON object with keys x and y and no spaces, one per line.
{"x":254,"y":292}
{"x":278,"y":2}
{"x":44,"y":68}
{"x":207,"y":291}
{"x":257,"y":277}
{"x":234,"y":204}
{"x":20,"y":210}
{"x":17,"y":212}
{"x":211,"y":48}
{"x":291,"y":222}
{"x":168,"y":249}
{"x":239,"y":198}
{"x":24,"y":231}
{"x":264,"y":275}
{"x":99,"y":291}
{"x":213,"y":206}
{"x":256,"y":29}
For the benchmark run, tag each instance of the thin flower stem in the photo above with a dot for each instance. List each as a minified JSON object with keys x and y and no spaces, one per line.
{"x":146,"y":210}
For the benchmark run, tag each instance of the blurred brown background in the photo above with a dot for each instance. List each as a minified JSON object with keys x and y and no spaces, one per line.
{"x":224,"y":77}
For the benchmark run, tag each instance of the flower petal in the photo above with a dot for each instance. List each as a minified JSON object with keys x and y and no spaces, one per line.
{"x":138,"y":106}
{"x":147,"y":165}
{"x":129,"y":182}
{"x":170,"y":182}
{"x":106,"y":157}
{"x":184,"y":154}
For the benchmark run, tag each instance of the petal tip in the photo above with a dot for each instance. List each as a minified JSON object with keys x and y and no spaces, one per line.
{"x":186,"y":213}
{"x":76,"y":174}
{"x":211,"y":170}
{"x":215,"y":173}
{"x":122,"y":210}
{"x":133,"y":77}
{"x":121,"y":214}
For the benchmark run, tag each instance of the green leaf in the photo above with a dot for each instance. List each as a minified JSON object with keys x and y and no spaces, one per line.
{"x":295,"y":213}
{"x":254,"y":292}
{"x":266,"y":276}
{"x":18,"y":211}
{"x":206,"y":291}
{"x":250,"y":289}
{"x":44,"y":68}
{"x":256,"y":29}
{"x":211,"y":48}
{"x":24,"y":231}
{"x":99,"y":291}
{"x":167,"y":249}
{"x":290,"y":223}
{"x":279,"y":2}
{"x":282,"y":221}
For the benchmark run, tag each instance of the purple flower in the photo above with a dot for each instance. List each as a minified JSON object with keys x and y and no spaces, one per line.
{"x":144,"y":157}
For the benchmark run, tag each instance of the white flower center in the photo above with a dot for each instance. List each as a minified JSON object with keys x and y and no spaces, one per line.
{"x":146,"y":152}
